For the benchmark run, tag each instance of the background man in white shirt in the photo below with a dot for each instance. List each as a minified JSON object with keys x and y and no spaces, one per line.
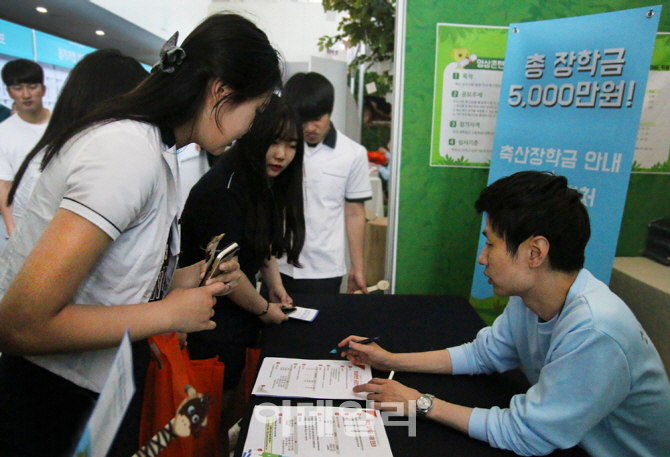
{"x":20,"y":132}
{"x":336,"y":185}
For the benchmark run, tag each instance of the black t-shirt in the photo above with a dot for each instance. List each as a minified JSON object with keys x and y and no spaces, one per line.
{"x":216,"y":205}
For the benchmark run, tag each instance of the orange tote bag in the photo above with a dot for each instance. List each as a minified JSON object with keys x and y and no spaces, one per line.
{"x":164,"y":391}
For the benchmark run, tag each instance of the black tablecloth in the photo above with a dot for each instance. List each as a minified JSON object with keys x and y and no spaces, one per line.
{"x":404,"y":323}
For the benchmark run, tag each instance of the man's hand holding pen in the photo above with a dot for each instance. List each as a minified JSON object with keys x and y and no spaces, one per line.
{"x":366,"y":353}
{"x":386,"y":394}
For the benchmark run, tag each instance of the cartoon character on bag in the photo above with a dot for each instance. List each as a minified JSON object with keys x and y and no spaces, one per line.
{"x":191,"y":417}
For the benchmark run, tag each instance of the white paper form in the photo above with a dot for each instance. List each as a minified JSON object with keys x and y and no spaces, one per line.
{"x":327,"y":379}
{"x":111,"y":406}
{"x":303,"y":314}
{"x":316,"y":431}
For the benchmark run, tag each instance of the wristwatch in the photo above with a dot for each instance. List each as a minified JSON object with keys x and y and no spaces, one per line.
{"x":424,"y":404}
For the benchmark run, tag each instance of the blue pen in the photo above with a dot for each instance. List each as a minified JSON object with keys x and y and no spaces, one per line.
{"x":365,"y":341}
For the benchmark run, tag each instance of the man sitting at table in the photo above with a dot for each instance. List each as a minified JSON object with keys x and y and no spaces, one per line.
{"x":596,"y":378}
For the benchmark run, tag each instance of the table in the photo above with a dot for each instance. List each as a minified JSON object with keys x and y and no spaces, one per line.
{"x":404,"y":323}
{"x":645,"y":287}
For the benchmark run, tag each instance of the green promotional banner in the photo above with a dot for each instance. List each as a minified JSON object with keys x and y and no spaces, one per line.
{"x":468,"y":71}
{"x":652,"y":150}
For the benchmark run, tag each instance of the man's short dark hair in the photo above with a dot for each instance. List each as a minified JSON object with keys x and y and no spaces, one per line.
{"x":310,"y":94}
{"x":534,"y":203}
{"x":22,"y":71}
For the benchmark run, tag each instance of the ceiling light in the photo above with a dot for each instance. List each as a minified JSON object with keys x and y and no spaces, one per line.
{"x":42,"y":9}
{"x":100,"y":32}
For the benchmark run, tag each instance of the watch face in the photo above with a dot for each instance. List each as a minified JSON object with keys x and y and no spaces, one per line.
{"x":423,"y":402}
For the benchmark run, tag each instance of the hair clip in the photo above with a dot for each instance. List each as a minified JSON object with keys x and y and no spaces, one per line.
{"x":171,"y":55}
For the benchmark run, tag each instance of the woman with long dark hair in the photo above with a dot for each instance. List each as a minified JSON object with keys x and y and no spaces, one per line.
{"x":253,"y":194}
{"x":102,"y":231}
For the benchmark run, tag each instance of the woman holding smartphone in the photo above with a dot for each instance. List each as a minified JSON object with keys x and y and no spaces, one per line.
{"x":253,"y":194}
{"x":101,"y":231}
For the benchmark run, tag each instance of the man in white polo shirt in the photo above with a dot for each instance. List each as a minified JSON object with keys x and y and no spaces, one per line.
{"x":21,"y":131}
{"x":336,"y":185}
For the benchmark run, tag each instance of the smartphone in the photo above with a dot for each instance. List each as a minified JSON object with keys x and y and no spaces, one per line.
{"x":212,"y":251}
{"x":215,"y":260}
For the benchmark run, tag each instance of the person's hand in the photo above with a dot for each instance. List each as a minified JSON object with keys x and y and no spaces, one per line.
{"x":279,"y":295}
{"x":367,"y":354}
{"x":389,"y":395}
{"x":191,"y":310}
{"x":275,"y":315}
{"x":181,"y":337}
{"x":356,"y":282}
{"x":228,"y":273}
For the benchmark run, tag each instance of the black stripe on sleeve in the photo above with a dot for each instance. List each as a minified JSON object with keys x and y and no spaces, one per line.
{"x":357,"y":200}
{"x":88,"y":207}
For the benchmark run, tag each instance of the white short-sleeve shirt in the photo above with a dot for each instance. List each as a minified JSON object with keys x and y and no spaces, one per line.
{"x":26,"y":186}
{"x":336,"y":170}
{"x":121,"y":177}
{"x":17,"y":139}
